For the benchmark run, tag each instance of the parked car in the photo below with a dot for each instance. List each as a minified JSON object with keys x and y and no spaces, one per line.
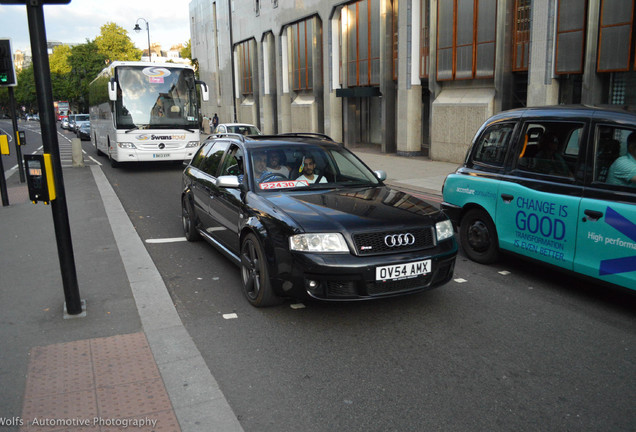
{"x":541,"y":183}
{"x":84,"y":132}
{"x":330,"y":229}
{"x":237,"y":128}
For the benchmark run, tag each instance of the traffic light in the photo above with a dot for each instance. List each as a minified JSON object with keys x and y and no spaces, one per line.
{"x":7,"y":71}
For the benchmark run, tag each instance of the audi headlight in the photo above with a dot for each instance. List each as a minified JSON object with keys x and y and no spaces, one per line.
{"x":444,"y":229}
{"x":126,"y":145}
{"x":322,"y":242}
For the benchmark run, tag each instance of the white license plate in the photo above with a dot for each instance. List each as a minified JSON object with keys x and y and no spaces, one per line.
{"x":161,"y":155}
{"x":403,"y":271}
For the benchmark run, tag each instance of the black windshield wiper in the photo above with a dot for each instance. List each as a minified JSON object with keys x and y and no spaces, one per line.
{"x":131,"y":129}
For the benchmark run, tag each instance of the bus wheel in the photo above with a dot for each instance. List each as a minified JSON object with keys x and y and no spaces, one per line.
{"x":99,"y":152}
{"x":478,"y":237}
{"x":113,"y":162}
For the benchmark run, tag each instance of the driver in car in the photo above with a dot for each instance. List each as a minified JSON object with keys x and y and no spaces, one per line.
{"x":261,"y":173}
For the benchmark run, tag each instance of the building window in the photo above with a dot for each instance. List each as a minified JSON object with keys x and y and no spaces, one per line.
{"x":521,"y":47}
{"x":301,"y":54}
{"x":361,"y":35}
{"x":617,"y":19}
{"x":570,"y":43}
{"x":244,"y":55}
{"x":466,"y":39}
{"x":257,"y":7}
{"x":424,"y":38}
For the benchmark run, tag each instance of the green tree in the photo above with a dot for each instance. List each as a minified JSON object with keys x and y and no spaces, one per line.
{"x":186,"y":51}
{"x":114,"y":44}
{"x":24,"y":92}
{"x":58,"y":61}
{"x":86,"y":62}
{"x":60,"y":69}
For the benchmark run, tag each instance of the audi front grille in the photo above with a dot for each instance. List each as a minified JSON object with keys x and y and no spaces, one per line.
{"x":386,"y":242}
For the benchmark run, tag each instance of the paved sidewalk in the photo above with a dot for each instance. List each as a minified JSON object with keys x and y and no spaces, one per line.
{"x":415,"y":173}
{"x":130,"y":361}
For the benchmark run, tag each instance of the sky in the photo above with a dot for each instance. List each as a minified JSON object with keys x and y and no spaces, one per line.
{"x":82,"y":19}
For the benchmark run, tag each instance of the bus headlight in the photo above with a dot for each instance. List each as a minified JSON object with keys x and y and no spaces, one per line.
{"x":192,"y":144}
{"x":126,"y":145}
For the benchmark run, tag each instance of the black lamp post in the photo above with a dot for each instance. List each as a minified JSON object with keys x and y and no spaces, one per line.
{"x":138,"y":29}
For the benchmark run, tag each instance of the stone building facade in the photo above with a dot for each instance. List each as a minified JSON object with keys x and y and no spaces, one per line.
{"x":412,"y":77}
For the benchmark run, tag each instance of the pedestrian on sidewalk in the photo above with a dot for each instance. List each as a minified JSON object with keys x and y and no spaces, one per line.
{"x":214,"y":123}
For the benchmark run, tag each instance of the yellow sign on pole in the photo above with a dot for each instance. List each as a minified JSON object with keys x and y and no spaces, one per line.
{"x":4,"y":145}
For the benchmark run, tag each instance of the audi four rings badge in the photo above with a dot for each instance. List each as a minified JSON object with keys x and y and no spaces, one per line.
{"x":393,"y":240}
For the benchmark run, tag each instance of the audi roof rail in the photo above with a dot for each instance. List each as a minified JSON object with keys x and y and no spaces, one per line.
{"x":229,"y":134}
{"x":308,"y":134}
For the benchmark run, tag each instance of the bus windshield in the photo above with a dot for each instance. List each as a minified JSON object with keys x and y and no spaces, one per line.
{"x":156,"y":97}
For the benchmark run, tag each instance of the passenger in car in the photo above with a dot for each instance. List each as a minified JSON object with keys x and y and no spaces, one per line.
{"x":548,"y":159}
{"x":623,"y":170}
{"x":274,"y":163}
{"x":308,"y":171}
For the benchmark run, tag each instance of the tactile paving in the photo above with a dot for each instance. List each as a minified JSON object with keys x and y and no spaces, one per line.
{"x":102,"y":385}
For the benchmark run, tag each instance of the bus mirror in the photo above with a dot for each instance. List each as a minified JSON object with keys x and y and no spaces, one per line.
{"x":205,"y":94}
{"x":112,"y":89}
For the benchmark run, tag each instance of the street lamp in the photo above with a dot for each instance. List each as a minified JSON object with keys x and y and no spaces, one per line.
{"x":138,"y":29}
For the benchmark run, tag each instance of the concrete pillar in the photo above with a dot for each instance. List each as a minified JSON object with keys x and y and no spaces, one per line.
{"x":387,"y":87}
{"x":78,"y":157}
{"x":592,"y":83}
{"x":409,"y":93}
{"x":543,"y":88}
{"x":334,"y":129}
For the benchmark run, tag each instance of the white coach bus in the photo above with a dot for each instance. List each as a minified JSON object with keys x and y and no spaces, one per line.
{"x":143,"y":111}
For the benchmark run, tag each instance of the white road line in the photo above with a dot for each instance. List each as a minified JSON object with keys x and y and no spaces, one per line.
{"x":166,"y":240}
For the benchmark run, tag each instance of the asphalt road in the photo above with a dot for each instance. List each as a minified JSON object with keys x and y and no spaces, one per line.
{"x":504,"y":347}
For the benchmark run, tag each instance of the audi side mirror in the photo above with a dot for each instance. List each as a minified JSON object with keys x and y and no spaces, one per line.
{"x":380,"y":174}
{"x":228,"y":181}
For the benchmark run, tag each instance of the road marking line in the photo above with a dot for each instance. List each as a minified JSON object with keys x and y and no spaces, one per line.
{"x":167,"y":240}
{"x":230,"y":316}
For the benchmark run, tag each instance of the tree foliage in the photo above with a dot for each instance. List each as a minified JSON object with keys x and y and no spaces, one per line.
{"x":114,"y":43}
{"x":58,"y":61}
{"x":24,"y":92}
{"x":186,"y":51}
{"x":86,"y":62}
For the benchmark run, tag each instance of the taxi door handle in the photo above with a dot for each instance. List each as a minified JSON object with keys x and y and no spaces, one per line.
{"x":507,"y":197}
{"x":593,"y":215}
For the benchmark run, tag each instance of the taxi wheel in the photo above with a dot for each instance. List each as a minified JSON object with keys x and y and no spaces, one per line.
{"x":256,"y":285}
{"x":188,"y":219}
{"x":478,"y":237}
